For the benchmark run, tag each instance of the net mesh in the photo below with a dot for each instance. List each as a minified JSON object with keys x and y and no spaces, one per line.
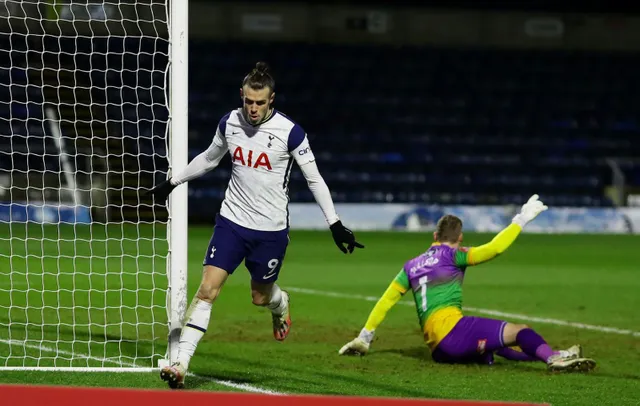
{"x":83,"y":125}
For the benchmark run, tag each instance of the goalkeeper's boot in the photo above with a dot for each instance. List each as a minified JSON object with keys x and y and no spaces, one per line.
{"x":574,"y":351}
{"x":282,"y":324}
{"x":174,"y":375}
{"x":558,"y":363}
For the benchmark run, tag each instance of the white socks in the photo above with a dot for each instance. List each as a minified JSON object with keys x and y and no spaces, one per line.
{"x":279,"y":301}
{"x":197,"y":321}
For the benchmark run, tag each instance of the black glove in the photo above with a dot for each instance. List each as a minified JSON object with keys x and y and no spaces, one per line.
{"x":342,"y":235}
{"x":161,"y":191}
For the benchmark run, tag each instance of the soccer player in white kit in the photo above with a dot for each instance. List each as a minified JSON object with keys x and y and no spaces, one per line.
{"x":253,"y":223}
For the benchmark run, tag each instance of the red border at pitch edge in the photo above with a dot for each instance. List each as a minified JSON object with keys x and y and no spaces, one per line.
{"x":31,"y":395}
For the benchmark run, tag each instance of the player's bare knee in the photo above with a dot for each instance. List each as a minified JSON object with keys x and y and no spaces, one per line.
{"x":510,"y":333}
{"x":213,"y":278}
{"x":259,"y":298}
{"x":208,"y":291}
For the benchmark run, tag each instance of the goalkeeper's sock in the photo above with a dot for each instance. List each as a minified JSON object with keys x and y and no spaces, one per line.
{"x":534,"y":345}
{"x":197,"y":322}
{"x":515,"y":355}
{"x":278,"y":303}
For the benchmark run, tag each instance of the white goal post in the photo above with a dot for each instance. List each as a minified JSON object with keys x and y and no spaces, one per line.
{"x":179,"y":157}
{"x":93,"y":113}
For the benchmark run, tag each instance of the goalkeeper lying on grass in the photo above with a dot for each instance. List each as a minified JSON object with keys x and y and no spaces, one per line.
{"x":435,"y":279}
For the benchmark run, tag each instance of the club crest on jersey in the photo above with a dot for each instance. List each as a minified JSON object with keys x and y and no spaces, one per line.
{"x":248,"y":158}
{"x":482,"y":346}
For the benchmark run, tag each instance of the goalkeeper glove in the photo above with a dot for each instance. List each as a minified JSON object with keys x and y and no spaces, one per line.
{"x":162,"y":191}
{"x":359,"y":345}
{"x":529,"y":211}
{"x":342,"y":235}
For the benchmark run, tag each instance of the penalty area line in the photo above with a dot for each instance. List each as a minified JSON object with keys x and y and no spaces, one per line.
{"x":488,"y":312}
{"x":230,"y":384}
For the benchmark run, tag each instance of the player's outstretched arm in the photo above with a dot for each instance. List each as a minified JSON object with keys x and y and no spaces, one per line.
{"x":504,"y":239}
{"x":360,"y":345}
{"x":200,"y":165}
{"x":343,"y":237}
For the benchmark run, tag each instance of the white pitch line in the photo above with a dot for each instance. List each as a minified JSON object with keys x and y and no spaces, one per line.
{"x":230,"y":384}
{"x":488,"y":312}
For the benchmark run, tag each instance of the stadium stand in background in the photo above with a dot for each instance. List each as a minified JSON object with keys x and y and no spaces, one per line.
{"x":499,"y":122}
{"x":387,"y":123}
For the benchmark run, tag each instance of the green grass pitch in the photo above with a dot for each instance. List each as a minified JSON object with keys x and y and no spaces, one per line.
{"x":580,"y":278}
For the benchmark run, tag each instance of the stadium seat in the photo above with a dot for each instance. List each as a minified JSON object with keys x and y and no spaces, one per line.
{"x":387,"y":124}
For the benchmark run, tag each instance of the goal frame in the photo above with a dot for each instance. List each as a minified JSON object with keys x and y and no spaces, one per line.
{"x":177,"y":205}
{"x":178,"y":159}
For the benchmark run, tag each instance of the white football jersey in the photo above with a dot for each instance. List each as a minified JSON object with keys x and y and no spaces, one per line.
{"x":257,"y":196}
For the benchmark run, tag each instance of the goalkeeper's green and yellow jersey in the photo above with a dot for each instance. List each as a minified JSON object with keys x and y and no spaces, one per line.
{"x":435,"y":279}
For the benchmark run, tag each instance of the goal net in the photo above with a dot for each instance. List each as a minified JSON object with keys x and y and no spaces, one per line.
{"x":84,"y":130}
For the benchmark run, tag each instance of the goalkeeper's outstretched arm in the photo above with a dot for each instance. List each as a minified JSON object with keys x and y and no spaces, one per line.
{"x":490,"y":250}
{"x":360,"y":345}
{"x":504,"y":239}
